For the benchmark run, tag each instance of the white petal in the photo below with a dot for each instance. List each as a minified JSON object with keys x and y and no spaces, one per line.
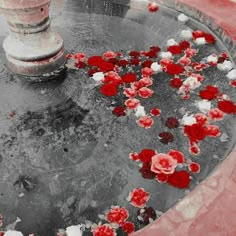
{"x":231,"y":74}
{"x":212,"y":58}
{"x":98,"y":76}
{"x":166,"y":55}
{"x":140,"y":111}
{"x":183,"y":18}
{"x":225,"y":66}
{"x":204,"y":106}
{"x":186,"y":34}
{"x":171,"y":42}
{"x":188,"y":120}
{"x":200,"y":41}
{"x":74,"y":230}
{"x":156,"y":67}
{"x":13,"y":233}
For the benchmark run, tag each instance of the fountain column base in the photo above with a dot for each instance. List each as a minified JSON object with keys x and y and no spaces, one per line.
{"x":32,"y":49}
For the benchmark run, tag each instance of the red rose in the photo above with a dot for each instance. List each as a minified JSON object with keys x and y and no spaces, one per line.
{"x":109,"y":55}
{"x":112,"y":77}
{"x":147,"y":81}
{"x":172,"y":123}
{"x":174,"y":69}
{"x":139,"y":197}
{"x":123,"y":62}
{"x":163,"y":164}
{"x":201,"y":119}
{"x":80,"y":65}
{"x":129,"y":92}
{"x":138,"y":84}
{"x":119,"y":111}
{"x":176,"y":83}
{"x":145,"y":122}
{"x":92,"y":71}
{"x":194,"y":150}
{"x":209,"y":93}
{"x":147,"y":63}
{"x":180,"y":179}
{"x":134,"y":61}
{"x":174,"y":49}
{"x":132,"y":103}
{"x":109,"y":89}
{"x":210,"y":38}
{"x":155,"y":112}
{"x":153,"y":7}
{"x":146,"y":171}
{"x":134,"y":156}
{"x":233,"y":83}
{"x":146,"y":72}
{"x":198,"y":34}
{"x":104,"y":230}
{"x":117,"y":215}
{"x":177,"y":155}
{"x":194,"y":167}
{"x":155,"y":49}
{"x":105,"y":66}
{"x":166,"y":137}
{"x":195,"y":132}
{"x":145,"y":92}
{"x":128,"y":227}
{"x":213,"y":131}
{"x":162,"y":178}
{"x":151,"y":54}
{"x":146,"y":155}
{"x":184,"y":44}
{"x":227,"y":106}
{"x":134,"y":53}
{"x":95,"y":60}
{"x":185,"y":61}
{"x":129,"y":77}
{"x":216,"y":114}
{"x":145,"y":214}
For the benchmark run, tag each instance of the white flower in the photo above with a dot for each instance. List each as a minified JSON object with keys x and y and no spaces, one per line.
{"x":212,"y":58}
{"x":186,"y":34}
{"x":140,"y":111}
{"x":13,"y":233}
{"x":204,"y":106}
{"x":183,"y":18}
{"x":171,"y":42}
{"x":75,"y":230}
{"x":225,"y":66}
{"x":192,"y":82}
{"x":231,"y":74}
{"x":166,"y":55}
{"x":188,"y":120}
{"x":98,"y":76}
{"x":200,"y":41}
{"x":156,"y":67}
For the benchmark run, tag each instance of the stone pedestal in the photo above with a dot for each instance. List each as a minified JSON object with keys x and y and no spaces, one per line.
{"x":32,"y":49}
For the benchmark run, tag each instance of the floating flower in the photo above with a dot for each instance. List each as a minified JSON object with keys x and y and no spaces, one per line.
{"x":183,"y":18}
{"x":176,"y":83}
{"x":112,"y":77}
{"x":139,"y":197}
{"x":146,"y":155}
{"x":104,"y":230}
{"x":201,"y":119}
{"x":140,"y":111}
{"x":130,"y":92}
{"x":232,"y":74}
{"x":156,"y":67}
{"x":185,"y":61}
{"x":194,"y":167}
{"x":186,"y":34}
{"x":166,"y":137}
{"x":129,"y":77}
{"x":172,"y":123}
{"x":147,"y":81}
{"x":117,"y":215}
{"x":123,"y":62}
{"x":134,"y":156}
{"x":171,"y":42}
{"x":177,"y":155}
{"x":216,"y":114}
{"x":153,"y":7}
{"x":147,"y":63}
{"x":145,"y":92}
{"x":146,"y":172}
{"x":194,"y":150}
{"x":167,"y":55}
{"x":162,"y":178}
{"x":14,"y":233}
{"x":146,"y":72}
{"x":132,"y":103}
{"x":174,"y":69}
{"x":209,"y":93}
{"x":188,"y":120}
{"x":146,"y":215}
{"x":213,"y":131}
{"x":155,"y":112}
{"x":233,"y":83}
{"x":128,"y":227}
{"x":225,"y":66}
{"x":145,"y":122}
{"x":204,"y":106}
{"x":163,"y":164}
{"x":109,"y":89}
{"x":200,"y":41}
{"x":109,"y":55}
{"x":80,"y":57}
{"x":119,"y":111}
{"x":174,"y":49}
{"x":74,"y":230}
{"x":195,"y":132}
{"x":95,"y":60}
{"x":212,"y":59}
{"x":227,"y":106}
{"x":98,"y":76}
{"x":179,"y":179}
{"x":184,"y":44}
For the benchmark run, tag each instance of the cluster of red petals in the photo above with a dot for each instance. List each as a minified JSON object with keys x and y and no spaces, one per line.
{"x":175,"y":49}
{"x":146,"y":155}
{"x":145,"y":122}
{"x":139,"y":197}
{"x":172,"y":123}
{"x":128,"y":227}
{"x":176,"y":83}
{"x":104,"y":230}
{"x":129,"y":77}
{"x":117,"y":215}
{"x":119,"y":111}
{"x":179,"y":179}
{"x":209,"y":93}
{"x":109,"y":89}
{"x":210,"y":39}
{"x":153,"y":7}
{"x":194,"y":167}
{"x":227,"y":106}
{"x":155,"y":112}
{"x":145,"y":214}
{"x":174,"y":69}
{"x":166,"y":137}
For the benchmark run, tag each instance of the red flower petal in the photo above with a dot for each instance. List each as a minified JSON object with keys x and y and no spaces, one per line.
{"x":180,"y":179}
